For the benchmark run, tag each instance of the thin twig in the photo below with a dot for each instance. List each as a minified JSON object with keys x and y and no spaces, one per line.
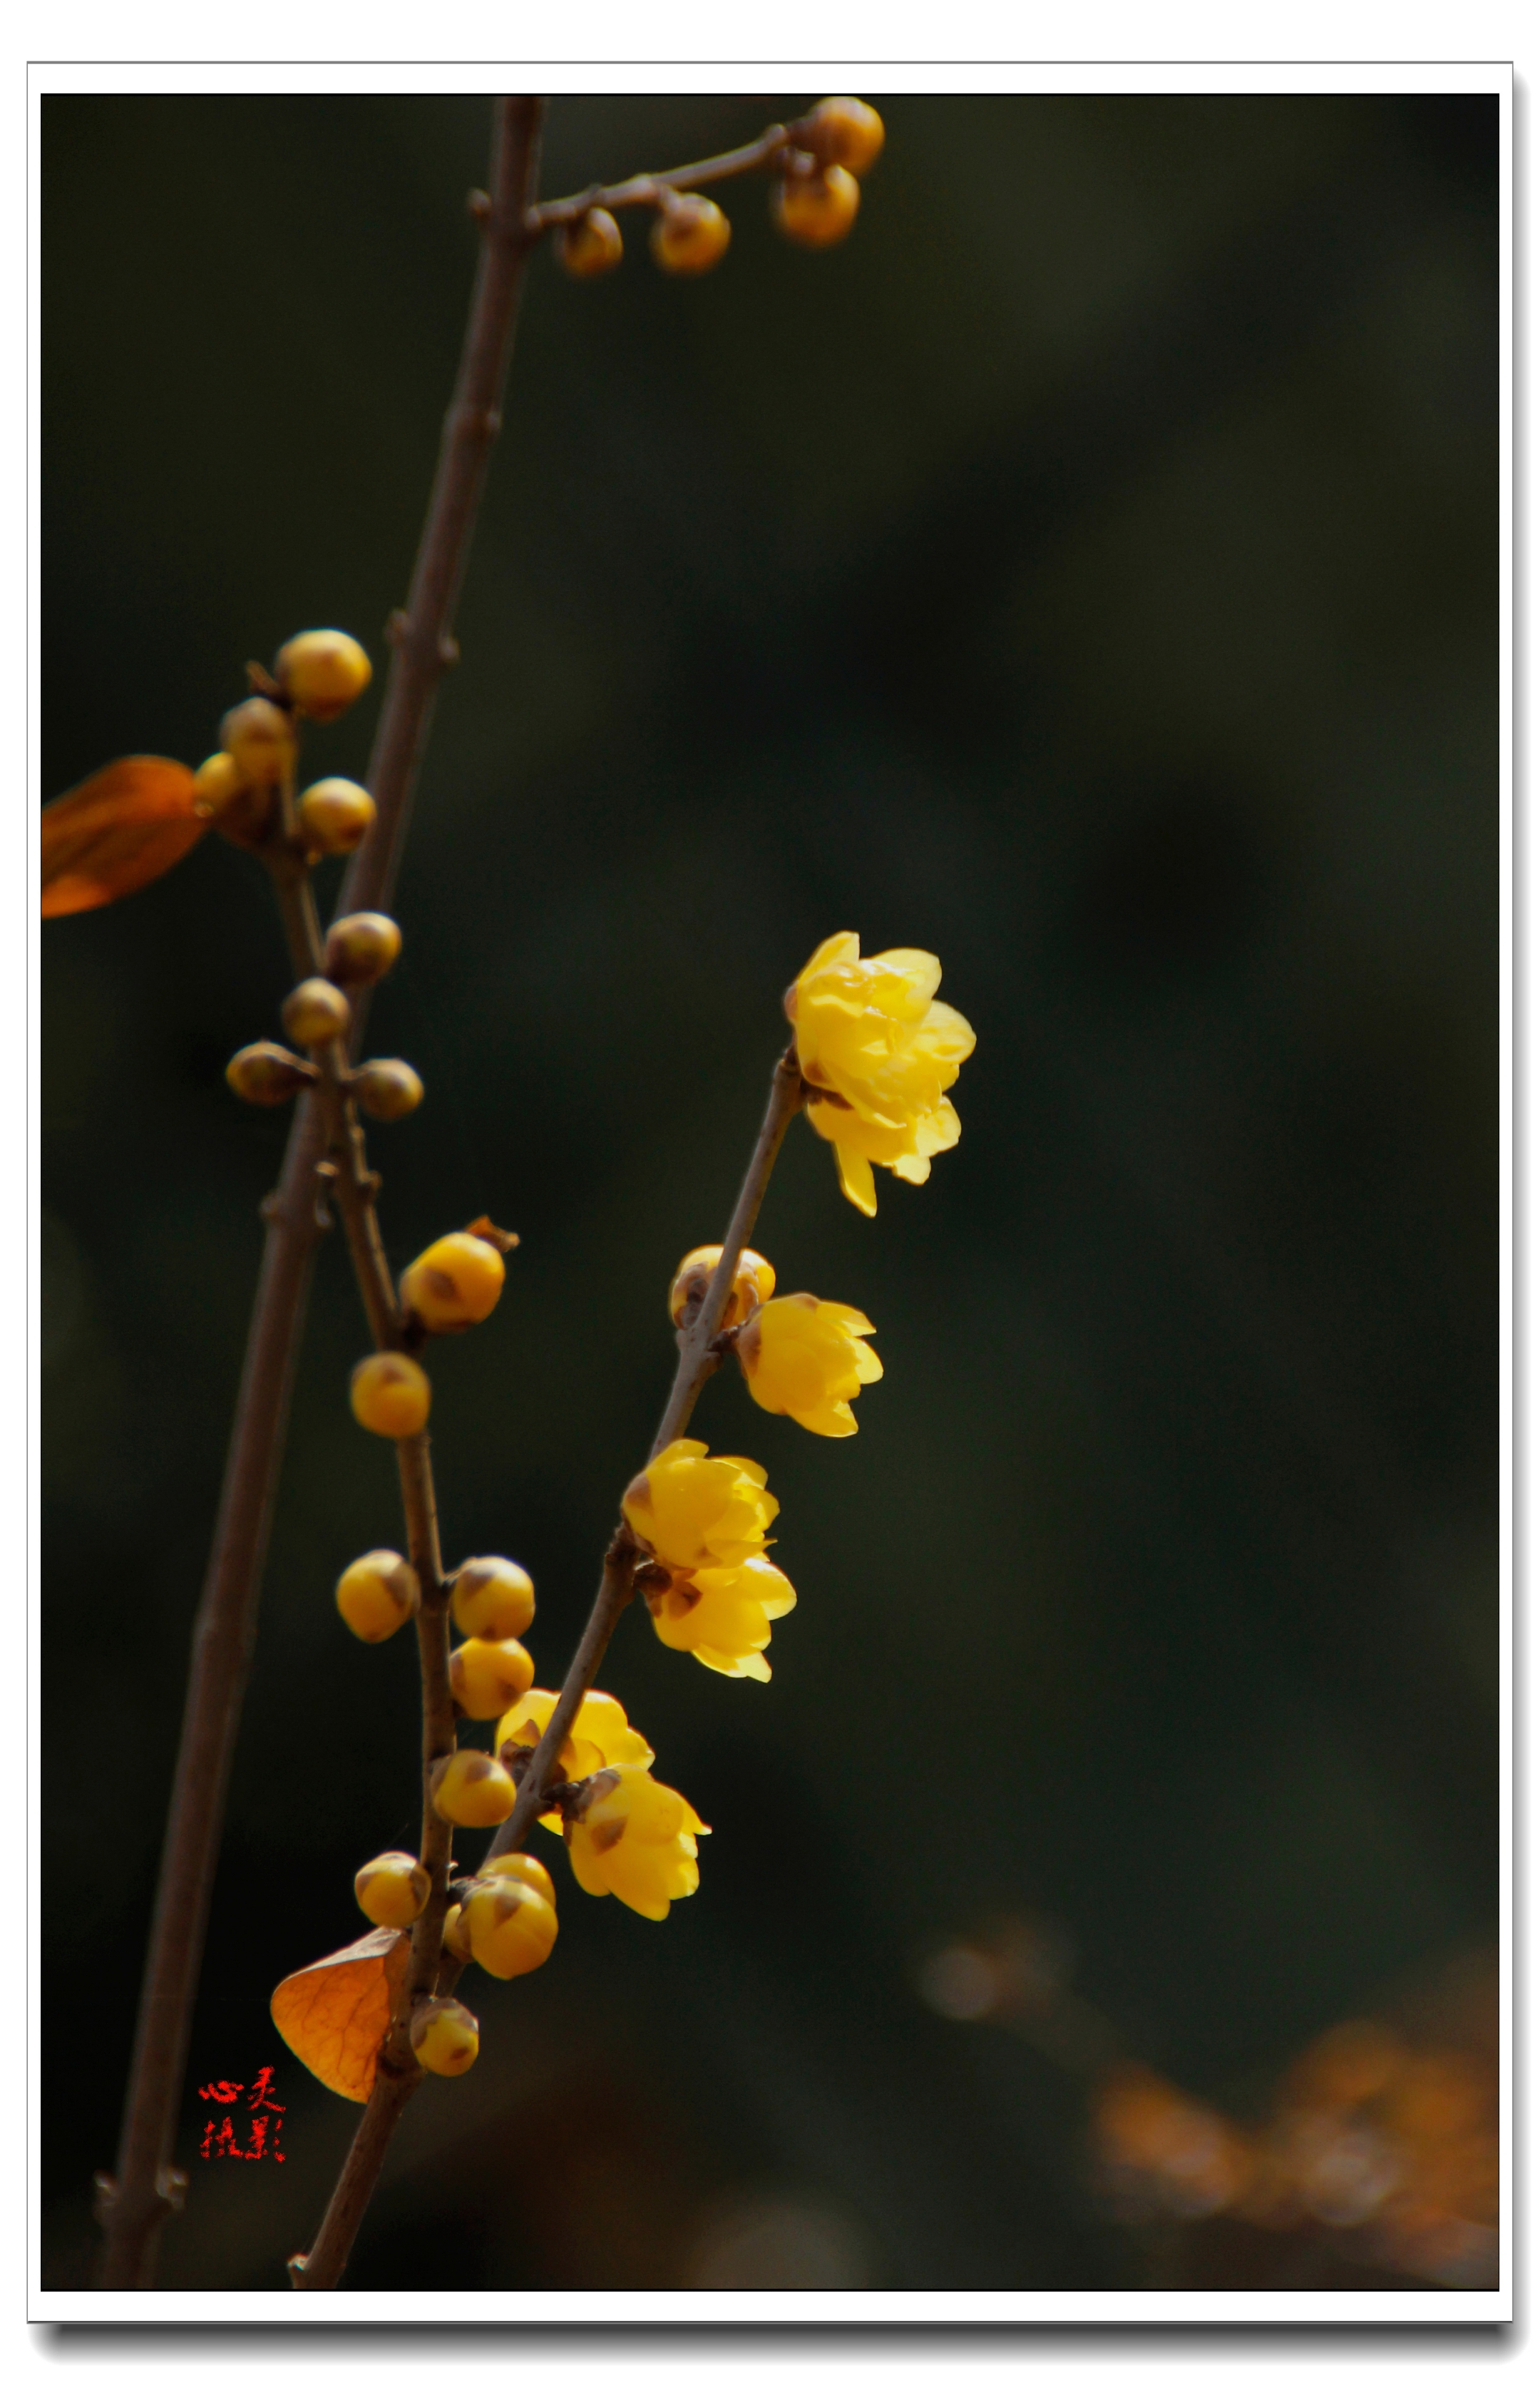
{"x":697,"y":1359}
{"x":133,"y":2206}
{"x":778,"y":145}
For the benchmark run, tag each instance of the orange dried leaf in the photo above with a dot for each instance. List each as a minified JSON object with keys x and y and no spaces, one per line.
{"x":334,"y":2013}
{"x":115,"y":831}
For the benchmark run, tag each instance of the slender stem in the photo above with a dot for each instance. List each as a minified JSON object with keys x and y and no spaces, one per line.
{"x":697,"y":1356}
{"x":133,"y":2206}
{"x":422,"y":633}
{"x":775,"y":146}
{"x":697,"y":1359}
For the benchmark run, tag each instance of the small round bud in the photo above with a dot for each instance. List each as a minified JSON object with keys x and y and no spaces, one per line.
{"x":591,"y":246}
{"x":520,"y":1866}
{"x":471,"y":1789}
{"x":322,"y":671}
{"x":392,"y":1890}
{"x":316,"y":1012}
{"x":266,"y":1074}
{"x":360,"y":948}
{"x":456,"y":1937}
{"x":216,"y":784}
{"x":689,"y":233}
{"x":260,"y":738}
{"x":816,"y":210}
{"x":844,"y":132}
{"x":486,"y":1676}
{"x":391,"y":1394}
{"x":752,"y":1281}
{"x":335,"y":815}
{"x":458,"y":1281}
{"x":494,"y":1599}
{"x":511,"y":1926}
{"x":377,"y":1595}
{"x":387,"y":1088}
{"x":445,"y":2038}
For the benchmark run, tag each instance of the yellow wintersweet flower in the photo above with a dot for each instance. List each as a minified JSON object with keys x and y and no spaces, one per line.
{"x":637,"y":1842}
{"x":722,"y":1614}
{"x":805,"y":1358}
{"x":600,"y":1735}
{"x":691,"y":1510}
{"x":878,"y":1051}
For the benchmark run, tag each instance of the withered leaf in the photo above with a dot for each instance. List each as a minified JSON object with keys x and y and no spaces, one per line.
{"x":115,"y":831}
{"x":334,"y":2013}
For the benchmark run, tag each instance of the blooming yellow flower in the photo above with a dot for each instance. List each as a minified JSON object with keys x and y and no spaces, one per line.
{"x":636,"y":1841}
{"x":691,"y":1510}
{"x":722,"y":1614}
{"x":805,"y":1358}
{"x":878,"y":1051}
{"x":600,"y":1735}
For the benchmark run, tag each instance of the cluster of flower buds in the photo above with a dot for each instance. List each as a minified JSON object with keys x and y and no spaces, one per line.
{"x":361,"y":950}
{"x":315,"y":676}
{"x":456,"y":1282}
{"x":813,"y":201}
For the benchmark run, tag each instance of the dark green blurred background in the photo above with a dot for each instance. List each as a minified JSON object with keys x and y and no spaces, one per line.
{"x":1088,"y":572}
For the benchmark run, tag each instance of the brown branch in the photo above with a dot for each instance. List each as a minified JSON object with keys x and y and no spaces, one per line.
{"x":422,"y":633}
{"x":134,"y":2204}
{"x":697,"y":1358}
{"x":778,"y":145}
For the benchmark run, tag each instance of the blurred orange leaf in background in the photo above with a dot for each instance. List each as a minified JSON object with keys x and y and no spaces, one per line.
{"x":334,"y":2013}
{"x":115,"y":831}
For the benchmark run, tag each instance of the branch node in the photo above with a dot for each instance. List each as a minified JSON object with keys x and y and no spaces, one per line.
{"x":448,"y":649}
{"x":397,"y":627}
{"x":480,"y":206}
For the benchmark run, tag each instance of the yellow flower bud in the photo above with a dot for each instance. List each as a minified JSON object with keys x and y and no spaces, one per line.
{"x":511,"y":1926}
{"x":877,"y":1052}
{"x":637,"y":1841}
{"x":265,"y":1073}
{"x":322,"y":671}
{"x":487,"y":1676}
{"x":377,"y":1595}
{"x":520,"y":1867}
{"x":721,"y":1615}
{"x":392,"y":1890}
{"x":816,"y":210}
{"x":360,"y":948}
{"x":591,"y":246}
{"x":689,"y":233}
{"x":457,"y":1937}
{"x":753,"y":1280}
{"x":335,"y":815}
{"x":493,"y":1599}
{"x":600,"y":1735}
{"x":456,"y":1281}
{"x":691,"y":1510}
{"x":445,"y":2037}
{"x":471,"y":1789}
{"x":806,"y":1358}
{"x":391,"y":1394}
{"x":844,"y":132}
{"x":260,"y":738}
{"x":216,"y":784}
{"x":387,"y":1088}
{"x":317,"y":1012}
